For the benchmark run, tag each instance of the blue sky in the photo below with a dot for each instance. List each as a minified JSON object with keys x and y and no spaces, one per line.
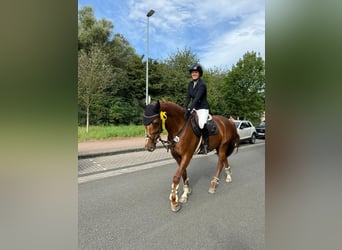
{"x":219,"y":32}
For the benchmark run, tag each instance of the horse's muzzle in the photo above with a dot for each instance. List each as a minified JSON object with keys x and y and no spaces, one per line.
{"x":150,"y":145}
{"x":151,"y":149}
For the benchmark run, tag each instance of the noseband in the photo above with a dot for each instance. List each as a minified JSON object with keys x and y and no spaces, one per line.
{"x":149,"y":137}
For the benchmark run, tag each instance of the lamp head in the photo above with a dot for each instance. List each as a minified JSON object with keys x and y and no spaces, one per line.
{"x":150,"y":13}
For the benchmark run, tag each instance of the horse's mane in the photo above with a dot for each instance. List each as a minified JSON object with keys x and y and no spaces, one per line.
{"x":172,"y":105}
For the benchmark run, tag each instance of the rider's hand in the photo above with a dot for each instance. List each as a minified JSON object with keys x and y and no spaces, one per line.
{"x":187,"y":114}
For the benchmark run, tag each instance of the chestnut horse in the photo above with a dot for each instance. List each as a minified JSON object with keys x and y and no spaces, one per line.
{"x":182,"y":142}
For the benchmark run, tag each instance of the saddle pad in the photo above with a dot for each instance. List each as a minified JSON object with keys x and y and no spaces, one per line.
{"x":211,"y":125}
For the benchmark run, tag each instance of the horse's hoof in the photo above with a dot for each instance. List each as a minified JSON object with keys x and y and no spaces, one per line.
{"x":229,"y":179}
{"x":176,"y":209}
{"x":183,"y":199}
{"x":212,"y":190}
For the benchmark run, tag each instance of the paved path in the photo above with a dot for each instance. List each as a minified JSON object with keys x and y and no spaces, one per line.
{"x":132,"y":211}
{"x":102,"y":158}
{"x":110,"y":146}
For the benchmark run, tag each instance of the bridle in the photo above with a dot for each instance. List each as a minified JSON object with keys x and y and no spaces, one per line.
{"x":166,"y":143}
{"x":148,"y":136}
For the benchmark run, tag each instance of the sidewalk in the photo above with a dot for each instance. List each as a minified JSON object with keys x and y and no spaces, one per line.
{"x":110,"y":146}
{"x":129,"y":155}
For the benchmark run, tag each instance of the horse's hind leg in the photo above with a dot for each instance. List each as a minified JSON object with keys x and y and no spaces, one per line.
{"x":186,"y":188}
{"x":228,"y":171}
{"x":215,"y":181}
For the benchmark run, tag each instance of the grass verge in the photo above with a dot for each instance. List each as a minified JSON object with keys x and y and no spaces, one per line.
{"x":108,"y":132}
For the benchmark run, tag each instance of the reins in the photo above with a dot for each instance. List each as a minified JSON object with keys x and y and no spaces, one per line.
{"x":167,"y":143}
{"x":176,"y":138}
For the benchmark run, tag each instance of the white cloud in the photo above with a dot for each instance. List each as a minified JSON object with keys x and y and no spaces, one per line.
{"x":234,"y":27}
{"x":230,"y":46}
{"x":219,"y":32}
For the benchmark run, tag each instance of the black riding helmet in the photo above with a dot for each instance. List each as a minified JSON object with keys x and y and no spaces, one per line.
{"x":196,"y":67}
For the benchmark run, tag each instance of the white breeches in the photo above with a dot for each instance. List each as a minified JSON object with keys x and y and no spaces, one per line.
{"x":202,"y":117}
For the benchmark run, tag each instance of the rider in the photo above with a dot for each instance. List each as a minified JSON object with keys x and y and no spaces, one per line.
{"x":197,"y":91}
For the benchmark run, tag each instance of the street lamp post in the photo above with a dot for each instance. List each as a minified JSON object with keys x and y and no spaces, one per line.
{"x":150,"y":13}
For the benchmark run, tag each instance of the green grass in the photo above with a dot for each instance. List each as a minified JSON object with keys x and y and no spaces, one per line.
{"x":108,"y":132}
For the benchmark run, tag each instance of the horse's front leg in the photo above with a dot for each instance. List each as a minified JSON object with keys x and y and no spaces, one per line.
{"x":182,"y":163}
{"x":186,"y":188}
{"x":175,"y":206}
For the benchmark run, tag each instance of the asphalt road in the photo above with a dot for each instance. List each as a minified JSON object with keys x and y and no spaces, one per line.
{"x":131,"y":210}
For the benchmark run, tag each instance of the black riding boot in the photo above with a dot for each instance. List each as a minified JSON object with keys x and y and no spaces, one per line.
{"x":205,"y":143}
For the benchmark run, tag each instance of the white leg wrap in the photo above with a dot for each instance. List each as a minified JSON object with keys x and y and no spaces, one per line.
{"x":229,"y":174}
{"x":174,"y":191}
{"x":186,"y":191}
{"x":215,"y":181}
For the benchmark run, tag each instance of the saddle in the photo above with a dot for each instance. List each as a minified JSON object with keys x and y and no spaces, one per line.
{"x":211,"y":125}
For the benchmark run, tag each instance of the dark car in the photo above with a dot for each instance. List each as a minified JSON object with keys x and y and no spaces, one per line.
{"x":261,"y":130}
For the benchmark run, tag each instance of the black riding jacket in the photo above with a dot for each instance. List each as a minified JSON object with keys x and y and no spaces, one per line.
{"x":198,"y":95}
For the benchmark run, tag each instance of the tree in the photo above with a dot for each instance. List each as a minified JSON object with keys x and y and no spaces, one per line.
{"x":94,"y":73}
{"x":110,"y":100}
{"x":244,"y":88}
{"x":214,"y":79}
{"x":176,"y":75}
{"x":92,"y":31}
{"x":119,"y":51}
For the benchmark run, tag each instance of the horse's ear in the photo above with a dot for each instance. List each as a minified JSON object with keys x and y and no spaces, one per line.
{"x":157,"y":107}
{"x":142,"y":104}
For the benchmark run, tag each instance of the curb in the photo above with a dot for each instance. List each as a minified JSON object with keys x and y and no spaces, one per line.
{"x":87,"y":155}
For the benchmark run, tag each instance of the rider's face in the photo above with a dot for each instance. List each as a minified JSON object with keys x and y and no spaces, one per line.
{"x":194,"y":75}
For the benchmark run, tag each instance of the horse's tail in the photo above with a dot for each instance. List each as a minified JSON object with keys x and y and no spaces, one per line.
{"x":233,"y":143}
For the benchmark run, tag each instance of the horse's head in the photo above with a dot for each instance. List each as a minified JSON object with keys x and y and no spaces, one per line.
{"x":152,"y":123}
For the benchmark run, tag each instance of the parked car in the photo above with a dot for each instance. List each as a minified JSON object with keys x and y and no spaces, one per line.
{"x":246,"y":130}
{"x":261,"y":130}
